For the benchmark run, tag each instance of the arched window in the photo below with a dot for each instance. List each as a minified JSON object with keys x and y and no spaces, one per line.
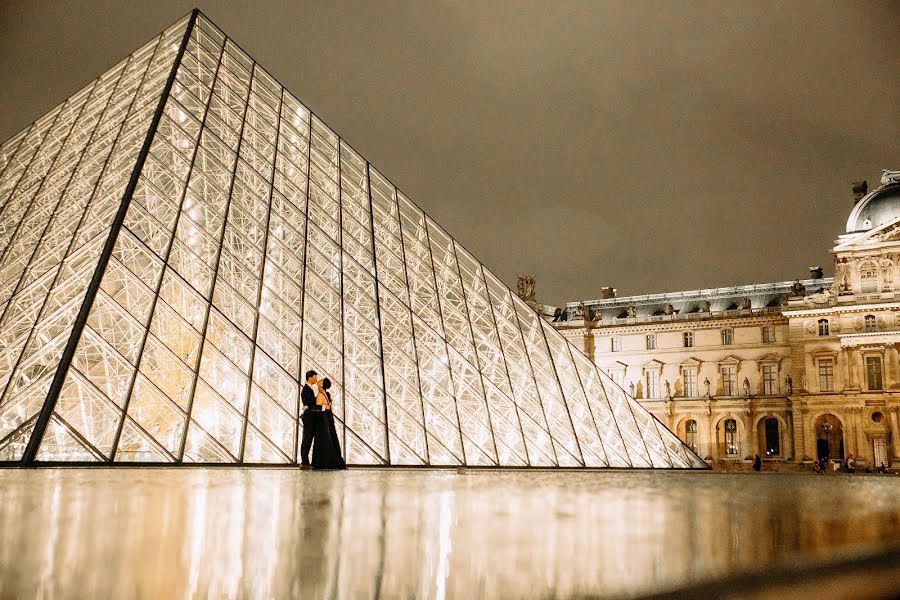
{"x":690,"y":434}
{"x":868,"y":279}
{"x":731,"y":440}
{"x":870,"y":323}
{"x":823,"y":327}
{"x":773,"y":439}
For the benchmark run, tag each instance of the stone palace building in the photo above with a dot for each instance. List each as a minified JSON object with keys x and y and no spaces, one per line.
{"x":793,"y":371}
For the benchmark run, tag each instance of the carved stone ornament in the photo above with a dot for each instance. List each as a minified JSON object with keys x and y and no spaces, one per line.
{"x":745,"y":303}
{"x":579,"y":311}
{"x":889,"y":177}
{"x":809,"y":326}
{"x":887,"y":272}
{"x":631,"y":312}
{"x":842,"y":275}
{"x":670,"y":310}
{"x":822,"y":297}
{"x":887,"y":235}
{"x":858,"y":323}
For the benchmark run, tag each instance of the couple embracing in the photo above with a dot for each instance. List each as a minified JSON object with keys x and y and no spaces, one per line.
{"x":318,"y":426}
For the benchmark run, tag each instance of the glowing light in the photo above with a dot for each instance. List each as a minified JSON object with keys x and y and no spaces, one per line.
{"x":392,"y":309}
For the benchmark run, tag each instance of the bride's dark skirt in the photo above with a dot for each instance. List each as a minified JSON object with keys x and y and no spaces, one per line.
{"x":326,"y":453}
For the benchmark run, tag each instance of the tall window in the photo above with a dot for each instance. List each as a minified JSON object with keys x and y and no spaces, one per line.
{"x":773,"y":439}
{"x":690,"y":383}
{"x":768,"y":334}
{"x":870,"y":323}
{"x":615,"y":344}
{"x":770,"y":380}
{"x":727,"y":337}
{"x":651,"y":342}
{"x":729,"y":381}
{"x":653,"y":384}
{"x":826,"y":375}
{"x":731,"y":441}
{"x":688,"y":337}
{"x":690,"y":434}
{"x":873,"y":372}
{"x":823,"y":327}
{"x":868,"y":278}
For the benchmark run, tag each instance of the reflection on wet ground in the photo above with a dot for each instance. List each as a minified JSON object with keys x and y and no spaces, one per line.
{"x":278,"y":533}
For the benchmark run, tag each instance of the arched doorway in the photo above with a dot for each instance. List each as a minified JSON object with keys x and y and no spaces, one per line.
{"x":829,"y":437}
{"x":768,"y":432}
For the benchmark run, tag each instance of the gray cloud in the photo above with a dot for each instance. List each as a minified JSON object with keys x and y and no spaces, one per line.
{"x":650,"y":146}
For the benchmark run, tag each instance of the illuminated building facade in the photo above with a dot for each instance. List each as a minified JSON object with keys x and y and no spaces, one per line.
{"x":182,"y":239}
{"x":792,"y":371}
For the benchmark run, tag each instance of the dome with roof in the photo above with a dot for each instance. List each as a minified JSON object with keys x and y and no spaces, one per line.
{"x":877,"y":208}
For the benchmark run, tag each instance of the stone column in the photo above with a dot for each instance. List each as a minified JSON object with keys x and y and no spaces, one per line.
{"x":862,"y":445}
{"x":854,"y":373}
{"x":712,"y":439}
{"x":754,"y":436}
{"x":893,"y":357}
{"x":850,"y":441}
{"x":895,"y":435}
{"x":589,"y":344}
{"x":799,"y":418}
{"x":788,"y":437}
{"x":844,"y":361}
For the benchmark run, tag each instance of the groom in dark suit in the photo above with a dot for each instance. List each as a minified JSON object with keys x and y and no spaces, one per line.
{"x":308,"y":397}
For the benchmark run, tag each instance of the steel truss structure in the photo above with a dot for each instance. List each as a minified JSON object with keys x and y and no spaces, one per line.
{"x":182,"y":238}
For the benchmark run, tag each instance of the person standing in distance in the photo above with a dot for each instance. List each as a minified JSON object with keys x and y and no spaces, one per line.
{"x":308,"y":397}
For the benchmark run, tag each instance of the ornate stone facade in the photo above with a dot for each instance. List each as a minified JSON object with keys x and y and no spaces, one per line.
{"x":792,"y":371}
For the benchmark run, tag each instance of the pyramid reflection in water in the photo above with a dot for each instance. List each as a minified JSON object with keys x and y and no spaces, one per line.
{"x":182,"y":239}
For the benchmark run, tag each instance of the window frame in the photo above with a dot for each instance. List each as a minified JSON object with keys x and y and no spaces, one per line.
{"x":728,"y":336}
{"x":615,"y":343}
{"x":825,"y":369}
{"x":650,"y":341}
{"x":824,"y":327}
{"x":872,"y":360}
{"x":871,"y":324}
{"x":687,"y":339}
{"x":768,"y":334}
{"x":770,"y":379}
{"x":732,"y":444}
{"x":689,"y":380}
{"x":691,"y":437}
{"x":868,"y":279}
{"x":651,"y":380}
{"x":729,"y":383}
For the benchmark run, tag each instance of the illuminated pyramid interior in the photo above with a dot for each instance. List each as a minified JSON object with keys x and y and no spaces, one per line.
{"x":182,"y":238}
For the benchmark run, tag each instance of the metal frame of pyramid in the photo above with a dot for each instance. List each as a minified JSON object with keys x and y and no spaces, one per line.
{"x":183,"y":238}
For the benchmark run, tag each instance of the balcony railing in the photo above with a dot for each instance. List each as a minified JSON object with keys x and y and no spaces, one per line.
{"x":693,"y":316}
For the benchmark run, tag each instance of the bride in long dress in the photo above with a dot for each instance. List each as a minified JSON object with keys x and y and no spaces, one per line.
{"x":326,"y":452}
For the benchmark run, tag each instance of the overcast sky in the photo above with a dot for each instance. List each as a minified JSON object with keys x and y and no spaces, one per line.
{"x":649,"y":146}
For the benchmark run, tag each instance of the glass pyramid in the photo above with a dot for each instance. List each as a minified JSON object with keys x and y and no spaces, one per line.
{"x":182,"y":238}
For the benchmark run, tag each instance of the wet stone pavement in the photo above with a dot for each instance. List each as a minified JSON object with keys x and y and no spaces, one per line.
{"x":391,"y":533}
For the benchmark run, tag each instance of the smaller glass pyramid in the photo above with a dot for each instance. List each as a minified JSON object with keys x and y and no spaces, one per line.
{"x":182,"y":238}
